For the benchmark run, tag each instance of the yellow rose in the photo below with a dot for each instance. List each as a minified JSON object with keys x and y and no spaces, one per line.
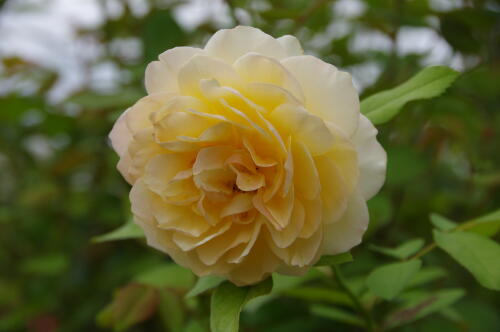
{"x":247,"y":157}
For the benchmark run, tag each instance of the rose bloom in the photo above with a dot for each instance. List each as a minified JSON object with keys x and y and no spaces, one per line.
{"x":247,"y":157}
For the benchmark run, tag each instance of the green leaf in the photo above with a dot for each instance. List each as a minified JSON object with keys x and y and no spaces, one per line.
{"x":203,"y":284}
{"x":389,"y":280}
{"x":282,"y":282}
{"x":428,"y":83}
{"x":478,"y":254}
{"x":228,"y":301}
{"x":46,"y":265}
{"x":337,"y":315}
{"x":426,"y":275}
{"x":442,"y":223}
{"x":171,"y":311}
{"x":319,"y":294}
{"x":131,"y":304}
{"x":194,"y":326}
{"x":129,"y":230}
{"x":403,"y":251}
{"x":487,"y":225}
{"x":329,"y":260}
{"x":167,"y":275}
{"x":422,"y":305}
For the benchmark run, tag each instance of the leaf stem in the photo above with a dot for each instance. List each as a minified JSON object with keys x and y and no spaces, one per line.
{"x":370,"y":325}
{"x":431,"y":246}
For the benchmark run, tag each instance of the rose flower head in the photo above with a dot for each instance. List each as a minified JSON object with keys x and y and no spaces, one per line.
{"x":247,"y":157}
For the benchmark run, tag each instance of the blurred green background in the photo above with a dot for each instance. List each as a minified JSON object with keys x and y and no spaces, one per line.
{"x":69,"y":68}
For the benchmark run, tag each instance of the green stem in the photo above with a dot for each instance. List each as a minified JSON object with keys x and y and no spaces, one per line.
{"x":431,"y":246}
{"x":370,"y":325}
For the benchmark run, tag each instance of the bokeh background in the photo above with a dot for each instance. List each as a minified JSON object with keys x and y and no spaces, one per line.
{"x":69,"y":68}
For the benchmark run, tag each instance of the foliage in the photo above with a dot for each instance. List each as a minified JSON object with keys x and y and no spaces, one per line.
{"x":60,"y":189}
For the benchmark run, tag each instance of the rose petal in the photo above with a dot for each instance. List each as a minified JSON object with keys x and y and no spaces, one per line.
{"x":291,"y":45}
{"x":306,"y":177}
{"x":372,"y":158}
{"x":242,"y":40}
{"x":329,"y":93}
{"x":284,"y":238}
{"x":303,"y":127}
{"x":161,"y":76}
{"x":255,"y":68}
{"x":333,"y":191}
{"x":200,"y":68}
{"x":347,"y":232}
{"x":120,"y":136}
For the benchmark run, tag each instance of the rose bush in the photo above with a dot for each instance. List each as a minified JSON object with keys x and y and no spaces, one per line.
{"x":247,"y":157}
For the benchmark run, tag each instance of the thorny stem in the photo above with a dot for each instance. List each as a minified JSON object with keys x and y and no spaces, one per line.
{"x":370,"y":325}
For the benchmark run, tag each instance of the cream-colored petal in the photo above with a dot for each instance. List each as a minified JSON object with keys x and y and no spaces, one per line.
{"x":313,"y":216}
{"x":213,"y":157}
{"x":216,"y":180}
{"x":141,"y":150}
{"x":306,"y":177}
{"x":334,"y":189}
{"x":291,"y":45}
{"x":239,"y":117}
{"x":247,"y":181}
{"x":177,"y":57}
{"x":277,"y":210}
{"x":140,"y":199}
{"x":256,"y":68}
{"x":257,"y":265}
{"x":210,"y":252}
{"x":120,"y":136}
{"x":200,"y":68}
{"x":240,"y":203}
{"x":163,"y":168}
{"x":139,"y":116}
{"x":347,"y":232}
{"x":161,"y":76}
{"x":289,"y":170}
{"x":372,"y":158}
{"x":181,"y":123}
{"x":222,"y":133}
{"x":269,"y":96}
{"x":158,"y":78}
{"x":176,"y":104}
{"x":285,"y":237}
{"x":241,"y":253}
{"x":187,"y":242}
{"x":329,"y":93}
{"x":181,"y":219}
{"x":230,"y":44}
{"x":303,"y":251}
{"x":345,"y":158}
{"x":262,"y":157}
{"x":211,"y":204}
{"x":303,"y":127}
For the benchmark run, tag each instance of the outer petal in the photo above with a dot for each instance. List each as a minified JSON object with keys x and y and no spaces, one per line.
{"x":291,"y":45}
{"x":347,"y":232}
{"x":372,"y":158}
{"x":329,"y":93}
{"x":120,"y":136}
{"x":255,"y":68}
{"x":304,"y":127}
{"x":201,"y":68}
{"x":161,"y":76}
{"x":158,"y":78}
{"x":230,"y":44}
